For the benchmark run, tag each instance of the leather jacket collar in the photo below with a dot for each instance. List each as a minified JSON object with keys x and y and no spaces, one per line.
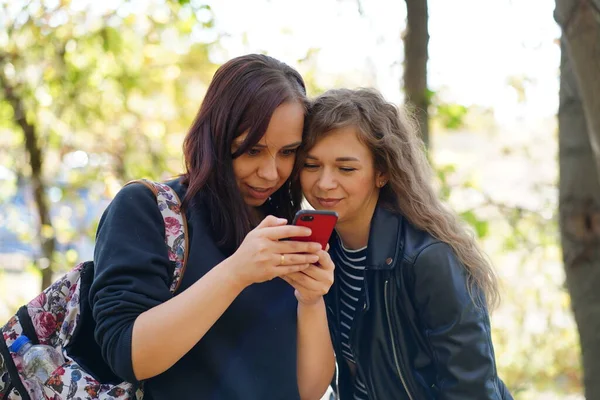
{"x":384,"y":249}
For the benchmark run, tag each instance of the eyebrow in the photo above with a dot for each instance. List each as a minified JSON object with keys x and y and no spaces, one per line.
{"x":262,"y":146}
{"x":337,"y":159}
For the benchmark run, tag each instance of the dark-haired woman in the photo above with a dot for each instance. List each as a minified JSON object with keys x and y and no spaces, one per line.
{"x":231,"y":331}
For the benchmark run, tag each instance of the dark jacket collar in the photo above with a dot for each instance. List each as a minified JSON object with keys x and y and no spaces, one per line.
{"x":384,"y":247}
{"x":385,"y":239}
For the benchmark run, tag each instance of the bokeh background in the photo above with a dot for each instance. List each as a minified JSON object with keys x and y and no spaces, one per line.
{"x":93,"y":94}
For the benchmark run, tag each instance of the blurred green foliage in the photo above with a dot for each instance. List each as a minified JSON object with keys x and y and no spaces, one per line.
{"x":110,"y":83}
{"x":535,"y":339}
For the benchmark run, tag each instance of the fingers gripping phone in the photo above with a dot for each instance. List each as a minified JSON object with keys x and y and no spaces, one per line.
{"x":321,"y":224}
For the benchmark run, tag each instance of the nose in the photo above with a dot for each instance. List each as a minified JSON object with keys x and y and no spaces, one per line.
{"x":268,"y":169}
{"x":326,"y":181}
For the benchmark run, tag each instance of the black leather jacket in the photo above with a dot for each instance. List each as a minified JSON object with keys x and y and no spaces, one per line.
{"x":419,"y":334}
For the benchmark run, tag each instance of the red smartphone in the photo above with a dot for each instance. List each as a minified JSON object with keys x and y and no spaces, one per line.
{"x":320,"y":222}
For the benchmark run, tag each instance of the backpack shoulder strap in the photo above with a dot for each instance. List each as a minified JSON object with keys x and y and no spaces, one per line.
{"x":176,"y":229}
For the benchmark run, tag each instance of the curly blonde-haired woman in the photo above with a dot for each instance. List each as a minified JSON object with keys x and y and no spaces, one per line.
{"x":408,"y":311}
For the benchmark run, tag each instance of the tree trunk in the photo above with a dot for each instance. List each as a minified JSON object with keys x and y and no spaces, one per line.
{"x":45,"y":229}
{"x":579,"y":210}
{"x":416,"y":40}
{"x":580,"y":23}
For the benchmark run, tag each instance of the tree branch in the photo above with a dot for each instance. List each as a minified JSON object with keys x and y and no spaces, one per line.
{"x":47,"y":237}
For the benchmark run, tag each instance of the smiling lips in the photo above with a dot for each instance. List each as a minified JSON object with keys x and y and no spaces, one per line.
{"x":328,"y":202}
{"x":260,"y":193}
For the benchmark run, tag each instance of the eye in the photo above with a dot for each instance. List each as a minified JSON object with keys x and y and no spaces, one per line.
{"x":310,"y":166}
{"x":253,"y":152}
{"x":347,"y":169}
{"x":289,"y":152}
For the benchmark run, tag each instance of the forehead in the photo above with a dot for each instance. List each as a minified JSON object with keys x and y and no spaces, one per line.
{"x":285,"y":126}
{"x":340,"y":142}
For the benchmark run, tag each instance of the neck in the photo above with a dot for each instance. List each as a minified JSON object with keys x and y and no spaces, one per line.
{"x":355,"y":233}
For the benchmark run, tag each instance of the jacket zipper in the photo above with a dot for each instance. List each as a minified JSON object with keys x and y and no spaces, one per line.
{"x":387,"y":311}
{"x":358,"y":317}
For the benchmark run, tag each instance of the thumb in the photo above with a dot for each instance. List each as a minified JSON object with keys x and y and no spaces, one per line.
{"x":271,"y":220}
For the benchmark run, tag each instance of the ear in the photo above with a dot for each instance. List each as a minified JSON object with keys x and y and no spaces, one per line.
{"x":381,"y":179}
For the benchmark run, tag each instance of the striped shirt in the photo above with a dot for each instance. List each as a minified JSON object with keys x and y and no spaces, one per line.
{"x":351,"y":266}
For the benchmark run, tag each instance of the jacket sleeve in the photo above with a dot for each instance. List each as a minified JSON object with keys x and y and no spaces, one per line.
{"x":457,"y":330}
{"x":131,"y":272}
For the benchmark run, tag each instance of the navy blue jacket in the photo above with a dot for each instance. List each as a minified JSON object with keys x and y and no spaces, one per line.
{"x":249,"y":353}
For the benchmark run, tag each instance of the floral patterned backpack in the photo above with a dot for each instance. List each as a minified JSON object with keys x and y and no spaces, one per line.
{"x":61,"y":317}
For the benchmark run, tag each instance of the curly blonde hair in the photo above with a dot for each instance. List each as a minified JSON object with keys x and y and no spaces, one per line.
{"x":398,"y":150}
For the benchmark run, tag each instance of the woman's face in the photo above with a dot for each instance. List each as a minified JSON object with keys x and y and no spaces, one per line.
{"x":339,"y":175}
{"x":263,"y":169}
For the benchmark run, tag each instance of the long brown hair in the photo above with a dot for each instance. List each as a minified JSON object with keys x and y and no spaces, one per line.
{"x":398,"y":151}
{"x":242,"y":96}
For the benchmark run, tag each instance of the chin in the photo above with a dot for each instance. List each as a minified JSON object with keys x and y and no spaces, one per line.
{"x":252,"y":202}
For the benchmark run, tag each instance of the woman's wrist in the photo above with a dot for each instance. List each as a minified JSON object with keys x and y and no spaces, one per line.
{"x":311,"y":304}
{"x":228,"y":275}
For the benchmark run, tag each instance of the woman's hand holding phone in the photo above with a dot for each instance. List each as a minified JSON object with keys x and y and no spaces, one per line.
{"x":259,"y":257}
{"x":314,"y":282}
{"x":306,"y":266}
